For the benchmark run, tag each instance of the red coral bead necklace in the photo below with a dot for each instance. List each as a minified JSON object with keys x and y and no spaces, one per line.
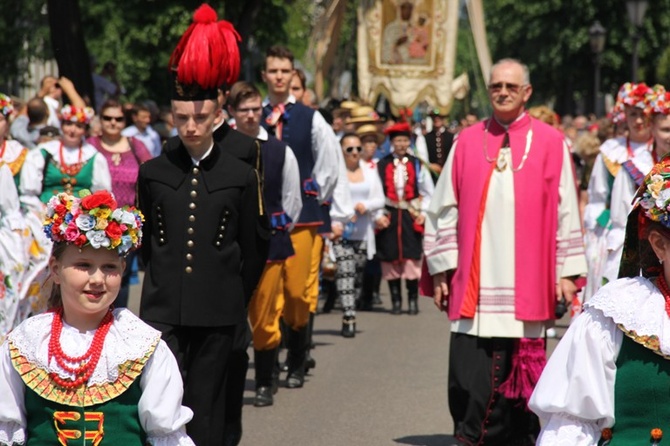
{"x":88,"y":361}
{"x":665,"y":291}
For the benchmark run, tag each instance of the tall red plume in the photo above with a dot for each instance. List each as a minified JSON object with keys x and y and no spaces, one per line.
{"x":207,"y":53}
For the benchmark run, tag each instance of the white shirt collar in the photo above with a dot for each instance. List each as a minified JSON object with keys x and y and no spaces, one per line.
{"x":262,"y":134}
{"x":289,"y":100}
{"x":196,"y":162}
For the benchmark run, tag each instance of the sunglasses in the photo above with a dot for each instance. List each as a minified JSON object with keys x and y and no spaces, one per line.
{"x":511,"y":88}
{"x":359,"y":149}
{"x":113,"y":118}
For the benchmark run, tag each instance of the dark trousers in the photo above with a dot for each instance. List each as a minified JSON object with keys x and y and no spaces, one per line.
{"x":482,"y":416}
{"x":203,"y":355}
{"x":237,"y":376}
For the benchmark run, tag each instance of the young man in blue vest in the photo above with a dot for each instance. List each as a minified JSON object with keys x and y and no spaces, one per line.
{"x":322,"y":174}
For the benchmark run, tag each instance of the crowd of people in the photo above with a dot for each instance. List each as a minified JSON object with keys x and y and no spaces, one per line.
{"x":244,"y":210}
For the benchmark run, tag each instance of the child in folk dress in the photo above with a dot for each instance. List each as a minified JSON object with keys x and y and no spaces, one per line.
{"x":84,"y":371}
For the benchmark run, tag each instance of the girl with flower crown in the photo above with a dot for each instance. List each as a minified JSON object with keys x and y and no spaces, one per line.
{"x":84,"y":371}
{"x":24,"y":249}
{"x":632,"y":100}
{"x":606,"y":382}
{"x":632,"y":172}
{"x":65,"y":165}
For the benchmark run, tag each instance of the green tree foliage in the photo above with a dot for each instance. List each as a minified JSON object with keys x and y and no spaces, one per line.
{"x":24,"y":29}
{"x":551,"y":36}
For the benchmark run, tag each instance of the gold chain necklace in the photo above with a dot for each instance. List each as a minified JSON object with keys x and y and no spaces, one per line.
{"x":501,"y":163}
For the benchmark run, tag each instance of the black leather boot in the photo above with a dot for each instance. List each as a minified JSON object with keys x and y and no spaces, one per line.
{"x":396,"y":298}
{"x":413,"y":296}
{"x":365,"y":301}
{"x":297,"y":352}
{"x":377,"y":281}
{"x":310,"y":362}
{"x":348,"y":326}
{"x":266,"y":385}
{"x":329,"y":291}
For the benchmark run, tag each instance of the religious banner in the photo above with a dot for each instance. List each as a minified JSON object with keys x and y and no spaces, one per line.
{"x":407,"y":52}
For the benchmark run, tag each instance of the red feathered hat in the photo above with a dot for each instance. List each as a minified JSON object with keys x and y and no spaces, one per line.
{"x":398,"y":129}
{"x":206,"y":58}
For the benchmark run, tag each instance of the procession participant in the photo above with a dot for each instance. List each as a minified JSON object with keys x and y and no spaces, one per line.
{"x":439,"y":141}
{"x":68,"y":164}
{"x":633,"y":170}
{"x":603,"y":383}
{"x":408,"y":190}
{"x":356,"y":245}
{"x":613,"y":153}
{"x":248,"y":150}
{"x":282,"y":197}
{"x":84,"y":371}
{"x":321,"y":169}
{"x":24,"y":249}
{"x":206,"y":231}
{"x":124,"y":155}
{"x":370,"y":137}
{"x":504,"y":227}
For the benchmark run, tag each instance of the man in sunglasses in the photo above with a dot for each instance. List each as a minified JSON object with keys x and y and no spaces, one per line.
{"x":503,"y":244}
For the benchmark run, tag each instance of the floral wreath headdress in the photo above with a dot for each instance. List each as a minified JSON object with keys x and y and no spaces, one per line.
{"x":6,"y":105}
{"x":82,"y":115}
{"x":635,"y":95}
{"x":651,"y":204}
{"x":93,"y":219}
{"x":659,"y":101}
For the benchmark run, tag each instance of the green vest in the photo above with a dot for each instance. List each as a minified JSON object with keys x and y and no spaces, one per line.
{"x":114,"y":422}
{"x":641,"y":395}
{"x":54,"y":181}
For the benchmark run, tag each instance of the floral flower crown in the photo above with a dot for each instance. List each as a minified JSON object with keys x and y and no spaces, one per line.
{"x":634,"y":95}
{"x":659,"y":101}
{"x":93,"y":219}
{"x":654,"y":193}
{"x":82,"y":115}
{"x":6,"y":105}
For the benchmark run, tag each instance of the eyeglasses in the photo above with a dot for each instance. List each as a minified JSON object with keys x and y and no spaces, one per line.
{"x":113,"y":118}
{"x":359,"y":149}
{"x":511,"y":88}
{"x":245,"y":111}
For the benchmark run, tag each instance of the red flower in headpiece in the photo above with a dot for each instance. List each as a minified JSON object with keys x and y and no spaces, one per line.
{"x":98,"y":199}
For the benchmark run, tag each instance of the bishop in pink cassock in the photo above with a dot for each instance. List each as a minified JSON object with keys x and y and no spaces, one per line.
{"x":504,"y":227}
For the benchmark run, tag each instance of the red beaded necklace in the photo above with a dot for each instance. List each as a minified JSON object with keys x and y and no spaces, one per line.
{"x":73,"y":169}
{"x":88,"y":361}
{"x":665,"y":291}
{"x":2,"y":152}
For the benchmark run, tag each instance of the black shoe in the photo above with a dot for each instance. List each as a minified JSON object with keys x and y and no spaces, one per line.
{"x":298,"y":344}
{"x":376,"y":299}
{"x":263,"y":397}
{"x":349,"y":326}
{"x":310,"y":362}
{"x":295,"y":379}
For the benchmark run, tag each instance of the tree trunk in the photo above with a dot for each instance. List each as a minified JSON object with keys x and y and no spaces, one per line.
{"x":67,"y":39}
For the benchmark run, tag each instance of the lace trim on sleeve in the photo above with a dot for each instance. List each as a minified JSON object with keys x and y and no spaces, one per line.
{"x":178,"y":438}
{"x":11,"y":433}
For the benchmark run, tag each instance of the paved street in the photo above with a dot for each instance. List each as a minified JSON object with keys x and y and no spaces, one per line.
{"x":387,"y":386}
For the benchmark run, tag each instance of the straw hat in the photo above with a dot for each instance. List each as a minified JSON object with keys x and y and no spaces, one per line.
{"x":363,"y":114}
{"x":370,"y":129}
